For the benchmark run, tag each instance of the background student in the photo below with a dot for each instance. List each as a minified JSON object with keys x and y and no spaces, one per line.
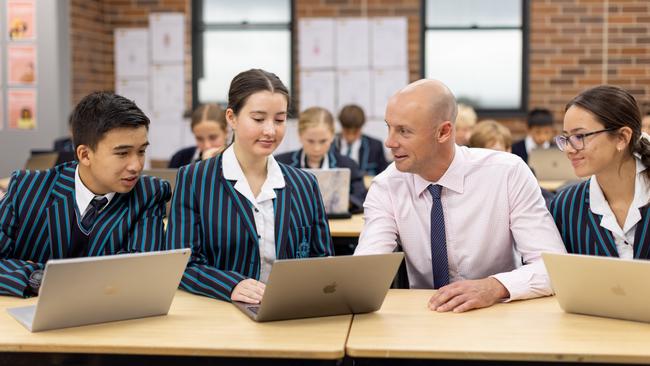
{"x":465,"y":122}
{"x":366,"y":151}
{"x":540,"y":133}
{"x":607,"y":214}
{"x":97,"y":206}
{"x":210,"y":130}
{"x":316,"y":132}
{"x":242,"y":210}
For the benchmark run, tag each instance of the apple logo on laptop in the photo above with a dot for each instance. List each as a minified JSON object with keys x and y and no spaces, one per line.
{"x":618,"y":290}
{"x":329,"y":289}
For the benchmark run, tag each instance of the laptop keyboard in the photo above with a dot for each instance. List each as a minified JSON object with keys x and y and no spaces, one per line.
{"x":253,"y":309}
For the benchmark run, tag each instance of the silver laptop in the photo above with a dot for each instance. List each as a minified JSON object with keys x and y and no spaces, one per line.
{"x":602,"y":286}
{"x":551,"y":164}
{"x":334,"y":185}
{"x":325,"y":286}
{"x":81,"y":291}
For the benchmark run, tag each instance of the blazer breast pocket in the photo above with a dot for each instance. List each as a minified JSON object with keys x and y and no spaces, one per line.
{"x":304,"y":240}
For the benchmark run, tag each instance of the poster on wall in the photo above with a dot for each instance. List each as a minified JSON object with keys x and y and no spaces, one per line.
{"x":21,"y":19}
{"x":167,"y":37}
{"x":131,"y":53}
{"x":21,"y":61}
{"x":22,"y":109}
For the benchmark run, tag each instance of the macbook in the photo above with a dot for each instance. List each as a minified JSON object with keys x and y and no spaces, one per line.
{"x":551,"y":164}
{"x":81,"y":291}
{"x":334,"y":185}
{"x":602,"y":286}
{"x":324,"y":286}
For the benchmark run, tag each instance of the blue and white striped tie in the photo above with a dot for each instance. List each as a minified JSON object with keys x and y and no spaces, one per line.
{"x":439,"y":262}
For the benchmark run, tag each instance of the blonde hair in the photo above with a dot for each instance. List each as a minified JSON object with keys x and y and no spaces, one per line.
{"x":466,"y":116}
{"x":314,"y":116}
{"x":487,"y":132}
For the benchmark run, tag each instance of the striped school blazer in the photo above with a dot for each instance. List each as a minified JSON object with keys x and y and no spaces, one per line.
{"x":580,"y":228}
{"x":37,"y":214}
{"x":336,"y":160}
{"x":213,"y":219}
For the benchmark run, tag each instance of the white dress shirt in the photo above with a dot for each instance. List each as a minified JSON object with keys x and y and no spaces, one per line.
{"x":530,"y":145}
{"x":354,"y":153}
{"x":325,"y":164}
{"x":83,"y":195}
{"x":491,"y":201}
{"x":263,"y":212}
{"x":623,"y":236}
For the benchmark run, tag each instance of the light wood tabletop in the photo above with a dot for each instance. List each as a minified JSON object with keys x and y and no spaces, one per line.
{"x":195,"y":326}
{"x":552,"y":185}
{"x":530,"y":330}
{"x":350,"y":228}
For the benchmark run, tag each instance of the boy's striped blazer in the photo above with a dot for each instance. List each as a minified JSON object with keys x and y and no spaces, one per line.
{"x":39,"y":209}
{"x":216,"y":221}
{"x":580,"y":228}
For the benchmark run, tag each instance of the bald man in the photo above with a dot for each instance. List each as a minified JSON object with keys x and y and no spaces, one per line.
{"x":470,"y":210}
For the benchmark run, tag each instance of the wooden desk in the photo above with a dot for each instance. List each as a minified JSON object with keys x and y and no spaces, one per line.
{"x":367,"y":180}
{"x":552,"y":185}
{"x":195,"y":326}
{"x":347,"y":227}
{"x":532,"y":330}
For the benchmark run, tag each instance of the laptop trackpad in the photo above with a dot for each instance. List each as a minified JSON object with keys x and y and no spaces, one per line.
{"x":24,"y":314}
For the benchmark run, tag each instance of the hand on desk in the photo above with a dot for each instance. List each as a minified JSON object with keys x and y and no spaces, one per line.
{"x":467,"y":295}
{"x":249,"y":291}
{"x":211,"y":152}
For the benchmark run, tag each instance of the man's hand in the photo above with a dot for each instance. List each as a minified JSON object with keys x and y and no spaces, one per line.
{"x":249,"y":291}
{"x":467,"y":295}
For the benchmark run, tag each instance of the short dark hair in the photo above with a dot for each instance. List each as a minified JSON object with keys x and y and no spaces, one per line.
{"x":249,"y":82}
{"x":540,"y":117}
{"x":100,"y":112}
{"x":352,"y":117}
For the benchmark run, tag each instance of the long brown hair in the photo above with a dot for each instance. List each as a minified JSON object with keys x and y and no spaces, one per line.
{"x":249,"y":82}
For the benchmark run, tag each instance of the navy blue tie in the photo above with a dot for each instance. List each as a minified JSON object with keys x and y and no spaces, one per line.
{"x":96,"y":205}
{"x":439,"y":262}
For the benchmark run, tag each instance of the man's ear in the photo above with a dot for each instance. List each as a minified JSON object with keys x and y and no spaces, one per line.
{"x":84,"y":153}
{"x":445,"y":131}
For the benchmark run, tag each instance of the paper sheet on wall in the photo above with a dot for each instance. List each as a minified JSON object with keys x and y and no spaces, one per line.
{"x":316,"y":43}
{"x":167,"y":37}
{"x":167,"y":89}
{"x":136,"y":90}
{"x":165,"y":137}
{"x":389,"y":40}
{"x":21,"y":60}
{"x":352,"y":43}
{"x":131,"y":52}
{"x":22,"y":109}
{"x":21,"y":16}
{"x":317,"y":88}
{"x":385,"y":84}
{"x":353,"y":88}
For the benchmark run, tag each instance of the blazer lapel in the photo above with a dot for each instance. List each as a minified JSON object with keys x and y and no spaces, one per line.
{"x":241,"y":204}
{"x":282,"y":209}
{"x":602,"y":241}
{"x":107,"y":218}
{"x":61,"y":213}
{"x":641,"y":236}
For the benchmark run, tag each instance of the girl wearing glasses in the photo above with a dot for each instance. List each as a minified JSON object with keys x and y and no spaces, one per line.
{"x":607,"y":214}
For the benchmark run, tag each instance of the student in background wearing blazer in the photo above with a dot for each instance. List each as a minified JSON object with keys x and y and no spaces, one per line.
{"x":607,"y":214}
{"x":97,"y":206}
{"x":364,"y":150}
{"x":316,"y":132}
{"x":210,"y":130}
{"x":540,"y":133}
{"x":242,"y":210}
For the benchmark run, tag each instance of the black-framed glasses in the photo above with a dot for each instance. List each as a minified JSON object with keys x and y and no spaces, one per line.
{"x":577,"y":141}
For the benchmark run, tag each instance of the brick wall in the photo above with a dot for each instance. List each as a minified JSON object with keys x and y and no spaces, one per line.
{"x":91,"y":35}
{"x":574,"y":44}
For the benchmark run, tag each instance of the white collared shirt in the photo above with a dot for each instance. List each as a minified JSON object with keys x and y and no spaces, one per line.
{"x":262,"y":205}
{"x":491,"y":200}
{"x":83,"y":195}
{"x":325,"y":165}
{"x":530,"y":144}
{"x":623,"y":236}
{"x":354,"y":153}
